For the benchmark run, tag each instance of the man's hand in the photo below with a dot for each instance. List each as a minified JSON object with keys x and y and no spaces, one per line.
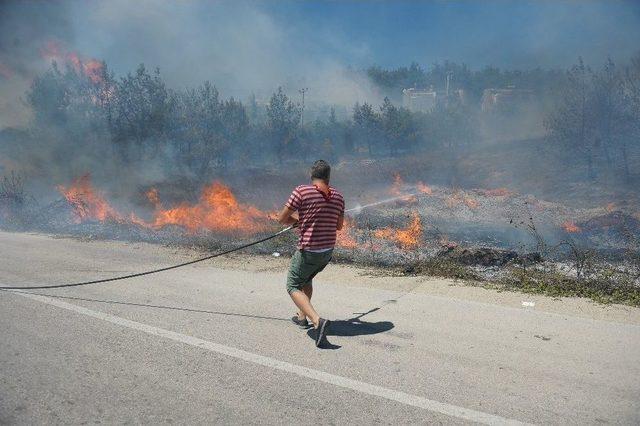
{"x":288,"y":216}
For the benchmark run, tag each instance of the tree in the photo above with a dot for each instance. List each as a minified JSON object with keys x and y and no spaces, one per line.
{"x":283,"y":122}
{"x":140,"y":111}
{"x":631,"y":112}
{"x":253,"y":111}
{"x":367,"y":125}
{"x":607,"y":104}
{"x":398,"y":127}
{"x":235,"y":127}
{"x":571,"y":122}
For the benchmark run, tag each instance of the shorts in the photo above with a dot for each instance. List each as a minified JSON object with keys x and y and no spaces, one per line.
{"x":304,"y":266}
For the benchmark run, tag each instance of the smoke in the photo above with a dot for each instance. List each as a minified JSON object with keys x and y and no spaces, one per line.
{"x":237,"y":46}
{"x":25,"y":28}
{"x":246,"y":47}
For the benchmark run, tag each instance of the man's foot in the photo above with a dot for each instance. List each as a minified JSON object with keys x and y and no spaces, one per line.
{"x":321,"y":331}
{"x":302,"y":323}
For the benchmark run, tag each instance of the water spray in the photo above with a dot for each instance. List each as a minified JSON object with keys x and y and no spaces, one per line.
{"x":359,"y":208}
{"x":356,"y":209}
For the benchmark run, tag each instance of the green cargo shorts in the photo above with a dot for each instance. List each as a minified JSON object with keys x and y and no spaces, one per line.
{"x":304,"y":266}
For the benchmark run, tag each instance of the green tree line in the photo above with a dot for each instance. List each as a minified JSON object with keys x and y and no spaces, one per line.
{"x":196,"y":131}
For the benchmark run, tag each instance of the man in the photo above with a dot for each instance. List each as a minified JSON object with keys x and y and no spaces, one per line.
{"x":318,"y":210}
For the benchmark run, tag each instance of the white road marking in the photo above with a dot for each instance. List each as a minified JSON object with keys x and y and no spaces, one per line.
{"x":344,"y":382}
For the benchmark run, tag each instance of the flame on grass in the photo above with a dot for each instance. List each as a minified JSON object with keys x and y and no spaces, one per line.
{"x":408,"y":238}
{"x":397,"y":190}
{"x":216,"y":210}
{"x":88,"y":203}
{"x":425,"y":189}
{"x":344,"y":238}
{"x":570,"y":227}
{"x":459,"y":198}
{"x":396,"y":187}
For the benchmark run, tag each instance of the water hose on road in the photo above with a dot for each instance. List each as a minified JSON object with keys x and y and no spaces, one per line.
{"x":154,"y":271}
{"x":191,"y":262}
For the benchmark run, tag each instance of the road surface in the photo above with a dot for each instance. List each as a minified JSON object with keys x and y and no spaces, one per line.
{"x":212,"y":343}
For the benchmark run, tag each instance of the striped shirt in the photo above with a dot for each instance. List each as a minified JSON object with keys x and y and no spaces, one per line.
{"x":319,"y":214}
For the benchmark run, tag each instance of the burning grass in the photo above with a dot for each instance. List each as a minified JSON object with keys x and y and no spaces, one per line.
{"x":217,"y":210}
{"x":88,"y":203}
{"x":408,"y":238}
{"x":476,"y":235}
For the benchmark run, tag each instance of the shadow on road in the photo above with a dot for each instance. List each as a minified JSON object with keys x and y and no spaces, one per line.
{"x":352,"y":327}
{"x":349,"y":327}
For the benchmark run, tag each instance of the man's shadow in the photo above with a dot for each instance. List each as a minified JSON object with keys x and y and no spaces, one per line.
{"x":352,"y":327}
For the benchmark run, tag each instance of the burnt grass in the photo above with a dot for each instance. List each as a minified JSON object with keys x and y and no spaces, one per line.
{"x":513,"y":242}
{"x":494,"y":268}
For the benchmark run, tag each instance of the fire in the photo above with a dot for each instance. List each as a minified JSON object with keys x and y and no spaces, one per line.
{"x":397,"y":191}
{"x":93,"y":69}
{"x":425,"y":189}
{"x":344,"y":238}
{"x":408,"y":238}
{"x":152,"y":196}
{"x":611,"y":207}
{"x":87,"y":203}
{"x":89,"y":67}
{"x":570,"y":227}
{"x":216,"y":210}
{"x":471,"y":203}
{"x":398,"y":183}
{"x":457,"y":198}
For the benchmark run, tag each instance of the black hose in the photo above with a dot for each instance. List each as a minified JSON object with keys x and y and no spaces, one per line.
{"x":140,"y":274}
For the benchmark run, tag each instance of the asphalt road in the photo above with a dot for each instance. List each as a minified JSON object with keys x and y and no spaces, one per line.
{"x":212,"y":343}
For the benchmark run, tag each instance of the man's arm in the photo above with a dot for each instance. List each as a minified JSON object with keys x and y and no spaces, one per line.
{"x":288,"y":216}
{"x":340,"y":222}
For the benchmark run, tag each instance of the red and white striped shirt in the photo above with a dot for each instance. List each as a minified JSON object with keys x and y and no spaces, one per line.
{"x":319,"y":214}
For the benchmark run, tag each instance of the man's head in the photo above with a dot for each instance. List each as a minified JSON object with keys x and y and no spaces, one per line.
{"x":321,"y":170}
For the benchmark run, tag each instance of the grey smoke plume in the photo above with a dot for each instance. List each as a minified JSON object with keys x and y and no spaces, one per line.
{"x":236,"y":46}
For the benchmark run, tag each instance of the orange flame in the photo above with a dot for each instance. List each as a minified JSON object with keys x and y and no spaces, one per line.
{"x":396,"y":191}
{"x":93,"y":69}
{"x":87,"y":203}
{"x":90,"y":68}
{"x":471,"y":203}
{"x":344,"y":238}
{"x":398,"y":183}
{"x":571,"y":227}
{"x":152,"y":196}
{"x":457,"y":198}
{"x":216,"y":210}
{"x":611,"y":207}
{"x":425,"y":189}
{"x":408,"y":238}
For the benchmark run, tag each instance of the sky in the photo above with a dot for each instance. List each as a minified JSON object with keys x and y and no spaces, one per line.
{"x":501,"y":33}
{"x":256,"y":46}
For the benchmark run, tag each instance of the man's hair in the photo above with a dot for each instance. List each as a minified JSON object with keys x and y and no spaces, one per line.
{"x":321,"y":170}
